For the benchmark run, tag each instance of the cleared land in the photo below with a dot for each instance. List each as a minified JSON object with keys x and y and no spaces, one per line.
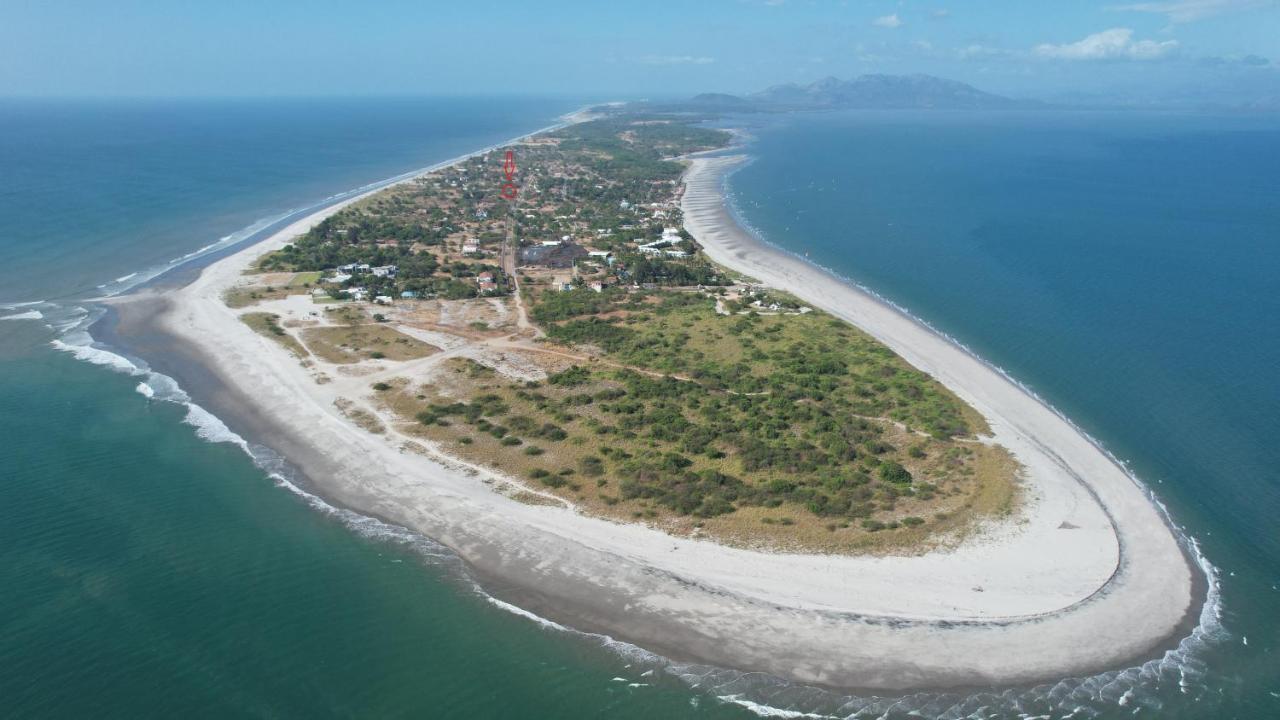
{"x":342,"y":344}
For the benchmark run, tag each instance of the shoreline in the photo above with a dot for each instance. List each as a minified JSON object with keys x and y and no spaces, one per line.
{"x":844,"y":621}
{"x":184,"y":269}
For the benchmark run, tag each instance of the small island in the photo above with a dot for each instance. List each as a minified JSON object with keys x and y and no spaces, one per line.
{"x":580,"y":343}
{"x":628,"y":415}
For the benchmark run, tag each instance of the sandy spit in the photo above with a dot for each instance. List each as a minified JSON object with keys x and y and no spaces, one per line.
{"x":1088,"y":577}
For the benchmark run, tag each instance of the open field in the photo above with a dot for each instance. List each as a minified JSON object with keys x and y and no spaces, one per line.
{"x":354,"y":343}
{"x":267,"y":324}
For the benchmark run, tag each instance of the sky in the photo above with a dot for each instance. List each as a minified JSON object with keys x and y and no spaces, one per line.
{"x":1228,"y":49}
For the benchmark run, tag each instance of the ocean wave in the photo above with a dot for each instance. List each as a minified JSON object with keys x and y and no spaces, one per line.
{"x":28,"y":315}
{"x":210,"y":428}
{"x":26,"y":303}
{"x":98,"y":356}
{"x":772,"y":712}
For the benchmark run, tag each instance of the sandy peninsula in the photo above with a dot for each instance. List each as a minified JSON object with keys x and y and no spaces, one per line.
{"x":1087,"y":577}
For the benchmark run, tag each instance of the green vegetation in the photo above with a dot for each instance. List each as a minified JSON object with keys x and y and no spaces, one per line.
{"x":268,"y":324}
{"x":353,"y":343}
{"x":704,"y":415}
{"x":672,"y":395}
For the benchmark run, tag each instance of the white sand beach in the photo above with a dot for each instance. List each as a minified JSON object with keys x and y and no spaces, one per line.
{"x":1086,"y":577}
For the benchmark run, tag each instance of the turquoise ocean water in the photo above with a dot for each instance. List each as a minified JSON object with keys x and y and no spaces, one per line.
{"x":1122,"y":266}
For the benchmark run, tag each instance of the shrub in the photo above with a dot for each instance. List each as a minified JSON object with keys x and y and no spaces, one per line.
{"x":381,"y":386}
{"x":894,"y":473}
{"x":574,"y":376}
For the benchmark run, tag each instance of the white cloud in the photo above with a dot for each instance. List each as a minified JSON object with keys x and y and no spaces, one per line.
{"x":1113,"y":44}
{"x":1185,"y":11}
{"x":941,"y":13}
{"x":676,"y":60}
{"x":888,"y":21}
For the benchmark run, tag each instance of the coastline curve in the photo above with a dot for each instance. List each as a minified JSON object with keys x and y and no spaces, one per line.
{"x":884,"y":623}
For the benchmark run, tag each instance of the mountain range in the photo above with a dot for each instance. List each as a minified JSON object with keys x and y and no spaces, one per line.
{"x":865,"y":91}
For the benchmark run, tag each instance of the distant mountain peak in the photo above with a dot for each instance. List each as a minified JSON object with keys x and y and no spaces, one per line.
{"x":872,"y":91}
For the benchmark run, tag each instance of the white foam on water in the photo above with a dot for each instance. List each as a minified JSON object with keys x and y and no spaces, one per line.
{"x":145,"y":390}
{"x":28,"y":315}
{"x":98,"y":356}
{"x":209,"y":427}
{"x":770,"y":712}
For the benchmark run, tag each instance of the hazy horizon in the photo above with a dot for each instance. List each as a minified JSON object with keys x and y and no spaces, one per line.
{"x":1197,"y":51}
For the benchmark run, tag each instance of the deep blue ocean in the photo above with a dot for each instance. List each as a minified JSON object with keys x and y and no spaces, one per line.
{"x":1124,"y":266}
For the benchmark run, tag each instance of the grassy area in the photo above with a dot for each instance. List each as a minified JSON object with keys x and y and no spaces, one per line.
{"x":270,"y":287}
{"x":268,"y":324}
{"x":792,"y":429}
{"x":360,"y":416}
{"x":354,"y":343}
{"x":810,"y":356}
{"x":305,"y":279}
